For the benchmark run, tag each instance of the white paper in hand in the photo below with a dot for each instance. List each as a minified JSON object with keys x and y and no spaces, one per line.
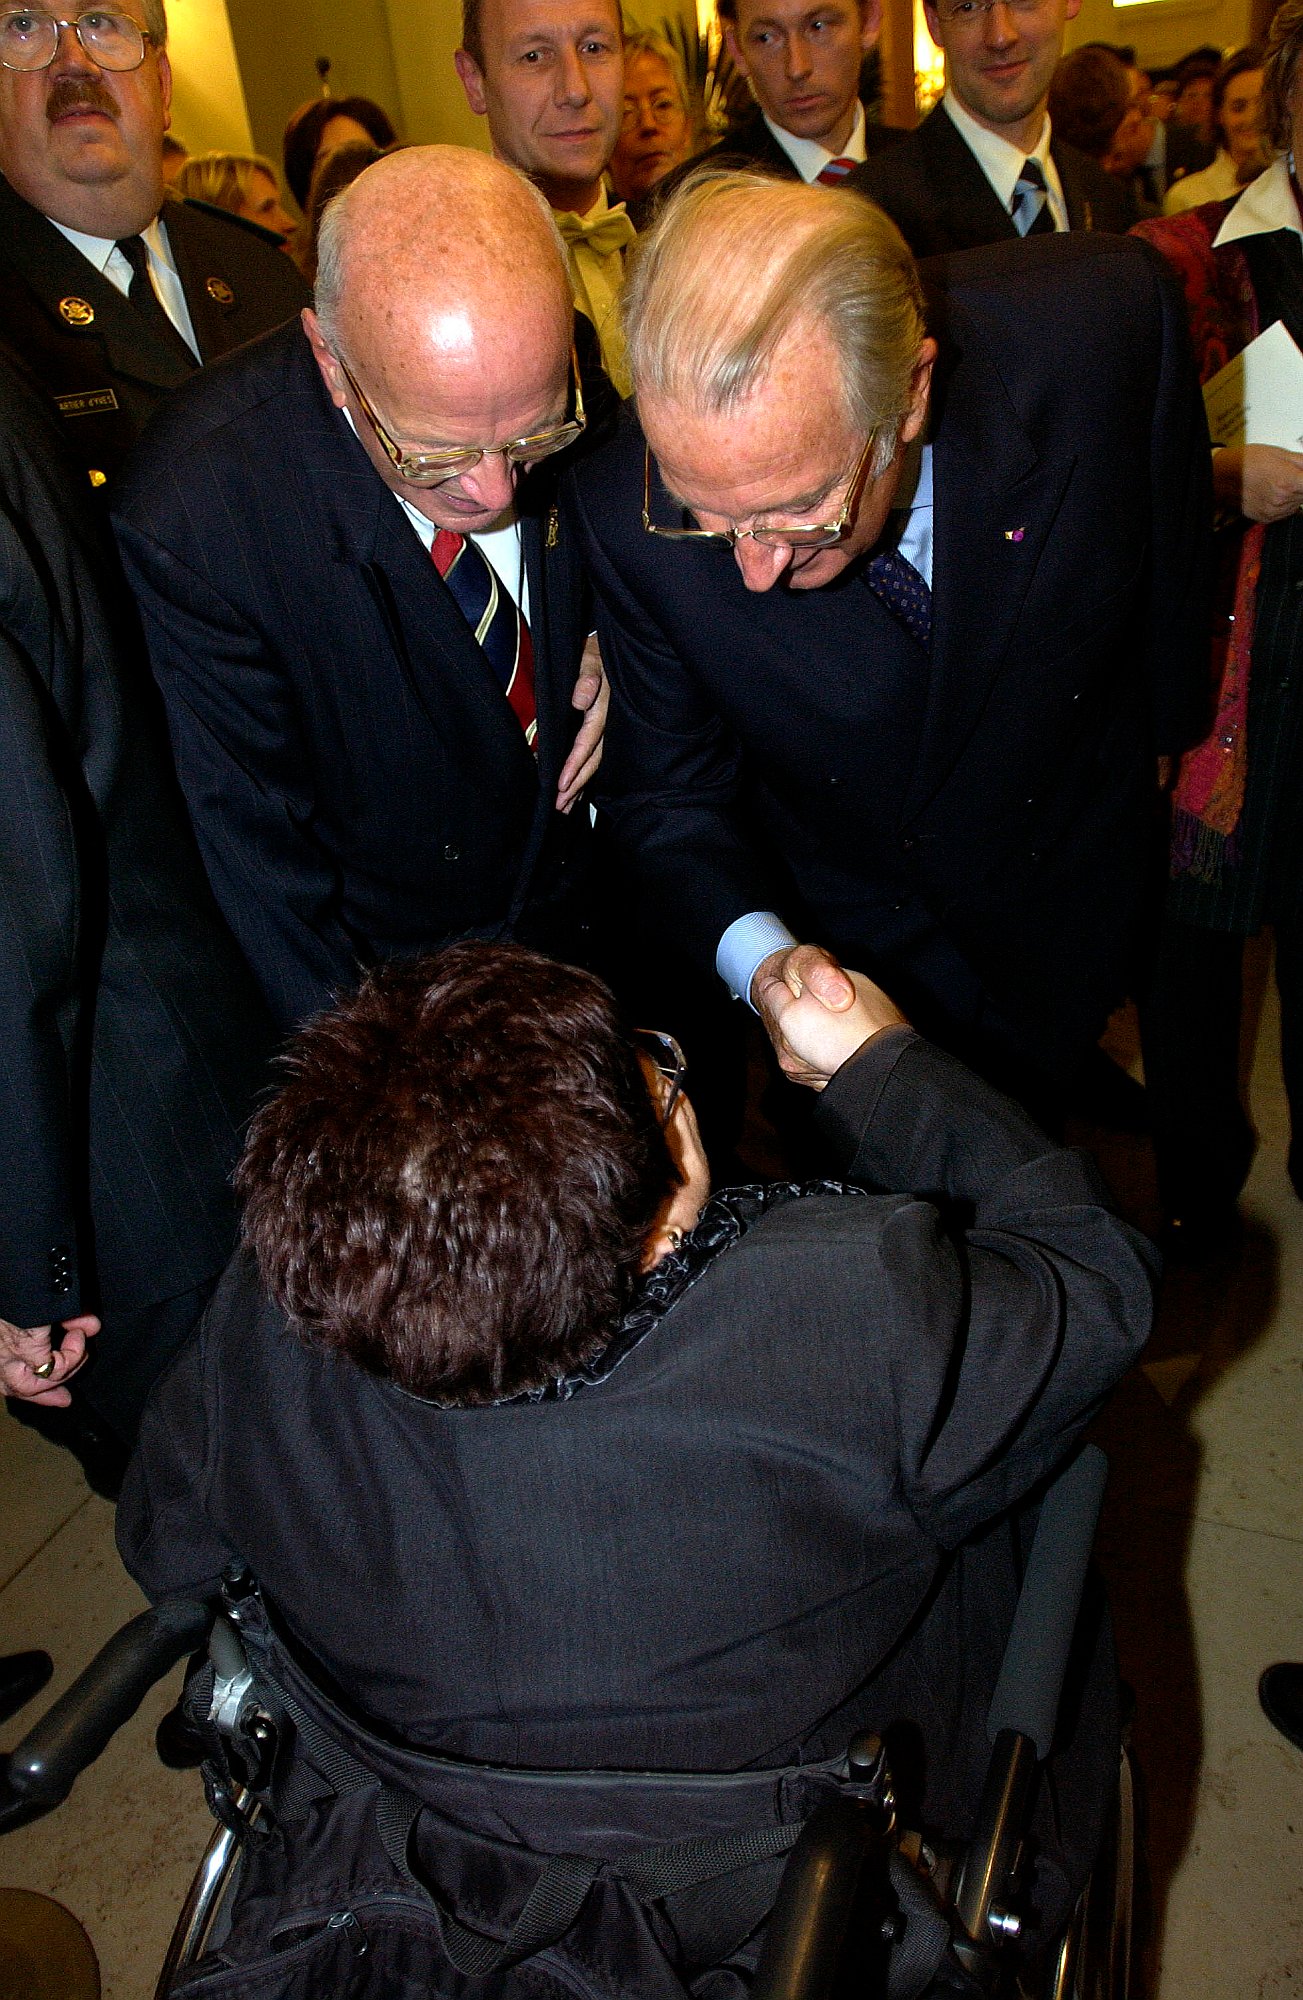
{"x":1258,"y":397}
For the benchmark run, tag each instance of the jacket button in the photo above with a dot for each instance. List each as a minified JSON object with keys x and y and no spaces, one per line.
{"x":451,"y":853}
{"x":60,"y":1269}
{"x":908,"y":842}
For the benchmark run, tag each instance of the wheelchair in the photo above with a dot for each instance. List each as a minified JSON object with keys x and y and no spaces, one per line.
{"x":862,"y":1906}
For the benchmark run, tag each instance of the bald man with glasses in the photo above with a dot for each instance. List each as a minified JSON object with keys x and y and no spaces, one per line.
{"x":111,"y":296}
{"x":366,"y":614}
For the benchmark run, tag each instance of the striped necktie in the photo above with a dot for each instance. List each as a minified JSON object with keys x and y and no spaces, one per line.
{"x":494,"y":618}
{"x":836,"y":171}
{"x":1030,"y":202}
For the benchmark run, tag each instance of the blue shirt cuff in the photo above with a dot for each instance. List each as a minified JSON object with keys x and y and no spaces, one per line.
{"x":744,"y":944}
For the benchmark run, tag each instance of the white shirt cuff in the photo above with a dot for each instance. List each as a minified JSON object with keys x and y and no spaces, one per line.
{"x":746,"y":941}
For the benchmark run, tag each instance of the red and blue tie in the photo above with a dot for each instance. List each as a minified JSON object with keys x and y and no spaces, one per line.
{"x":495,"y":620}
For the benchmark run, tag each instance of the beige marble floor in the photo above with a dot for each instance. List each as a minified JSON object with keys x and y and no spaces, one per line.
{"x":1203,"y":1546}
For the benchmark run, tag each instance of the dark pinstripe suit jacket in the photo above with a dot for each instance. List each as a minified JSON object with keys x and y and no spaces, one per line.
{"x":358,"y":783}
{"x":130,"y":1030}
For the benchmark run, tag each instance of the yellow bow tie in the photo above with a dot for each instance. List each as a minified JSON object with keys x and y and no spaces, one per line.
{"x":612,"y":231}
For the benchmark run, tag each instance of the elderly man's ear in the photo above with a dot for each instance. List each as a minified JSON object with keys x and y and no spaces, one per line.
{"x":679,"y":1212}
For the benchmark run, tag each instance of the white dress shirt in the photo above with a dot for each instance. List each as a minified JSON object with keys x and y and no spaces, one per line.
{"x":810,"y":158}
{"x":751,"y":938}
{"x":108,"y":260}
{"x":1002,"y":163}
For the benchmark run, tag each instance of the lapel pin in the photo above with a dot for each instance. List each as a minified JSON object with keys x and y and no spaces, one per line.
{"x":1014,"y":534}
{"x":218,"y":289}
{"x":77,"y":312}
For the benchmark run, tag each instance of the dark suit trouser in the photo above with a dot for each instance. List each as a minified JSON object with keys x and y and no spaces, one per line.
{"x":130,"y":1352}
{"x":1202,"y":1135}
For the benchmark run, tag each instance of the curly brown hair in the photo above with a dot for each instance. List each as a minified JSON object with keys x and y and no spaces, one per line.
{"x":455,"y":1184}
{"x":1280,"y":73}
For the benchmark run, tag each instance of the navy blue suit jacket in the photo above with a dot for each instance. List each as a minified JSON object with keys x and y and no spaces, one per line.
{"x":358,"y":783}
{"x":796,"y":751}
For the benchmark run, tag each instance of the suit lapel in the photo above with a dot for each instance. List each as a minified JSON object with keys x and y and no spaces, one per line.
{"x":995,"y":500}
{"x":1080,"y":215}
{"x":83,"y":303}
{"x":971,"y":207}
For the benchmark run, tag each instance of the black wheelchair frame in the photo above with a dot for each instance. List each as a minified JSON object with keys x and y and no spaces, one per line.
{"x":834,"y":1899}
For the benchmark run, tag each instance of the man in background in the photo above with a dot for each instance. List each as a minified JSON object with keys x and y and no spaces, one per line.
{"x":549,"y":77}
{"x":985,"y":166}
{"x":110,"y":296}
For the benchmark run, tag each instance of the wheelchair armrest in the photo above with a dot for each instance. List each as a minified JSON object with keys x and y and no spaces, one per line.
{"x":822,"y":1886}
{"x":41,"y":1772}
{"x":1024,"y":1708}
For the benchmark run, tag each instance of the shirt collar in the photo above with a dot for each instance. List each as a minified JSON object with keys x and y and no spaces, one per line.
{"x":1266,"y":205}
{"x":999,"y":161}
{"x":809,"y":157}
{"x":98,"y":249}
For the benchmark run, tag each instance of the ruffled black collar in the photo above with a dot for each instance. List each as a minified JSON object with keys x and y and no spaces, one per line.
{"x":723,"y":1222}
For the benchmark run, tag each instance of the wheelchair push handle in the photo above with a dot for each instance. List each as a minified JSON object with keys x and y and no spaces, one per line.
{"x":1028,"y":1692}
{"x":41,"y":1772}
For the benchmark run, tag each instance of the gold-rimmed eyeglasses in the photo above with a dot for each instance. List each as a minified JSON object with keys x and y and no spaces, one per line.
{"x":819,"y":534}
{"x":431,"y":468}
{"x":664,"y":1051}
{"x":29,"y":38}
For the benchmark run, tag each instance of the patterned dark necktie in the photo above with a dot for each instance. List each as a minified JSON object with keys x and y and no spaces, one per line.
{"x":1029,"y":204}
{"x":494,"y":617}
{"x":144,"y":300}
{"x":836,"y":171}
{"x":894,"y":579}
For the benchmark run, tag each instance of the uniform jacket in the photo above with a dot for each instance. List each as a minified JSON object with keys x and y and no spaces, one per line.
{"x":800,"y":752}
{"x":84,"y":346}
{"x":358,"y":783}
{"x":132,"y":1034}
{"x":934,"y":190}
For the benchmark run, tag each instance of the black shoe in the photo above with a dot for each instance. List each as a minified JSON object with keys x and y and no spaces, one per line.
{"x":1280,"y":1690}
{"x":21,"y":1676}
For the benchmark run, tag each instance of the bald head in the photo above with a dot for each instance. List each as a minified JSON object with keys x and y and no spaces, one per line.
{"x":442,"y":286}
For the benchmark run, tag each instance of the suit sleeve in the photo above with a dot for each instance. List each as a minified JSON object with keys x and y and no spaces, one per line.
{"x":38,"y":1001}
{"x":1010,"y":1298}
{"x":251,"y":797}
{"x":1182,"y":502}
{"x":163,"y":1530}
{"x":670,"y":777}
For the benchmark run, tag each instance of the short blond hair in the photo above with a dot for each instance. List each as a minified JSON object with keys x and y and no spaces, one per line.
{"x":737,"y":260}
{"x":224,"y":180}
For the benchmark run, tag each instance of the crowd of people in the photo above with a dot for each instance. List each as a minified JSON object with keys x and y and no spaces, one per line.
{"x":603,"y":578}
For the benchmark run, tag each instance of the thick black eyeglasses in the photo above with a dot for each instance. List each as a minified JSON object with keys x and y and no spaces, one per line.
{"x":670,"y":1061}
{"x":432,"y":468}
{"x":819,"y":534}
{"x":29,"y":40}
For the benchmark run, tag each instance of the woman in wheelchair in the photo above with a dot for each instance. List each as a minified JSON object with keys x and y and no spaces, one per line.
{"x":596,"y":1513}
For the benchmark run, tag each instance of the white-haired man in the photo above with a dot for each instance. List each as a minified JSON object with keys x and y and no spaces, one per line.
{"x":108,"y":296}
{"x":897,"y":621}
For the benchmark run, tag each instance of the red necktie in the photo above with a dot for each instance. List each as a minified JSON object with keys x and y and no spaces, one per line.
{"x":494,"y":618}
{"x":836,"y":170}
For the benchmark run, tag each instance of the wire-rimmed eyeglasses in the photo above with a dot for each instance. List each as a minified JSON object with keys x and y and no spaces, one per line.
{"x":818,"y":535}
{"x":431,"y":468}
{"x":665,"y":1052}
{"x":29,"y":38}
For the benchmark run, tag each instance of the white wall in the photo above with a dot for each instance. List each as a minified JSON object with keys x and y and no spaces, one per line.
{"x":1163,"y":30}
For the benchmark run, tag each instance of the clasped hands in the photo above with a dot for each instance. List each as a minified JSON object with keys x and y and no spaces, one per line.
{"x":817,"y":1014}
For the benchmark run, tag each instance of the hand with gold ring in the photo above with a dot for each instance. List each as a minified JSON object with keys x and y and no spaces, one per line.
{"x":33,"y":1369}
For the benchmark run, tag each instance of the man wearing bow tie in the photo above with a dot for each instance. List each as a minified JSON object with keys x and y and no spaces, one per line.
{"x":898,"y":601}
{"x":110,"y":296}
{"x":549,"y":77}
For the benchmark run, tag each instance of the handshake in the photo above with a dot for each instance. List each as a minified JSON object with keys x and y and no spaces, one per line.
{"x":816,"y":1012}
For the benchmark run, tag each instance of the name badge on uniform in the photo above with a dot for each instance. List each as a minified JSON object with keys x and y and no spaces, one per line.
{"x":86,"y":402}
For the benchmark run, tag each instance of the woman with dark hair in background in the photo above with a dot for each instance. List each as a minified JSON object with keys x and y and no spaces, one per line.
{"x":1242,"y":152}
{"x":324,"y":123}
{"x":1237,"y":847}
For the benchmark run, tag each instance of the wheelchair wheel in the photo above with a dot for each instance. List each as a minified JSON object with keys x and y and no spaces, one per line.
{"x":200,"y":1917}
